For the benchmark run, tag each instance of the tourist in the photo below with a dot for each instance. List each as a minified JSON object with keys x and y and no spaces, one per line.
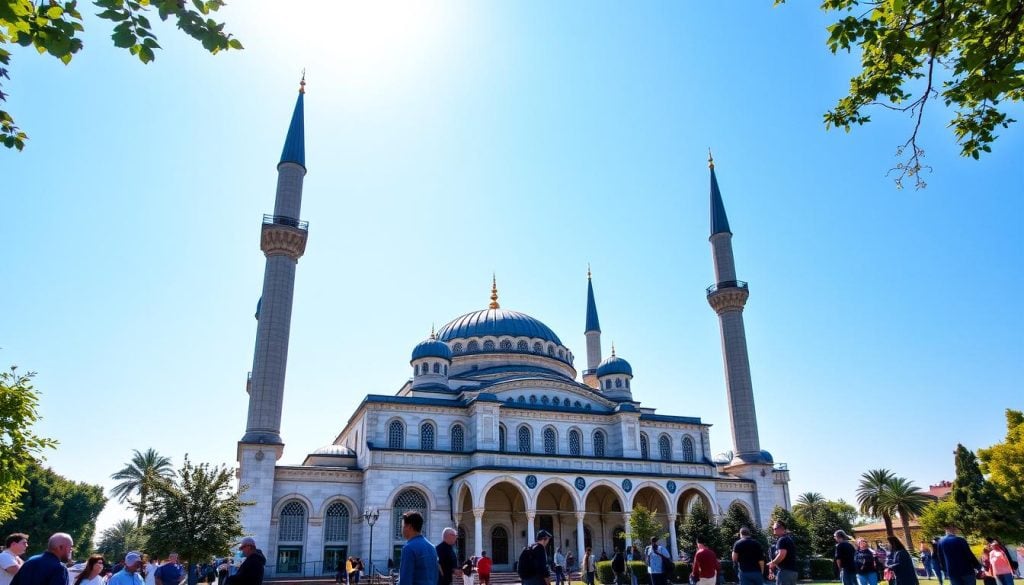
{"x":864,"y":564}
{"x":483,"y":568}
{"x":959,"y":562}
{"x":91,"y":573}
{"x":1000,"y":562}
{"x":655,"y":556}
{"x":171,"y":572}
{"x":619,"y":566}
{"x":784,"y":555}
{"x":588,"y":567}
{"x":467,"y":571}
{"x":843,"y":557}
{"x":419,"y":558}
{"x":881,"y":555}
{"x":446,"y":558}
{"x":570,"y":565}
{"x":10,"y":559}
{"x":926,"y":561}
{"x":705,"y":564}
{"x":47,"y":568}
{"x":251,"y":570}
{"x":938,"y":563}
{"x":130,"y":575}
{"x":748,"y":556}
{"x":559,"y":567}
{"x":533,"y":562}
{"x":634,"y":555}
{"x":358,"y":570}
{"x":901,"y":563}
{"x":149,"y":567}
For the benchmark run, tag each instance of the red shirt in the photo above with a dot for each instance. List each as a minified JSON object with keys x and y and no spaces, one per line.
{"x":483,"y":565}
{"x":705,"y":564}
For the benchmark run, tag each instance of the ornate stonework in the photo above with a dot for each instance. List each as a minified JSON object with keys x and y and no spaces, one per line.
{"x":728,"y":299}
{"x":282,"y":240}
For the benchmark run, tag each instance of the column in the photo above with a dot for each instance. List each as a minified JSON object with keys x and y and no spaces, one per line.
{"x":478,"y":531}
{"x":530,"y":532}
{"x":673,"y":548}
{"x":629,"y":536}
{"x":580,"y":541}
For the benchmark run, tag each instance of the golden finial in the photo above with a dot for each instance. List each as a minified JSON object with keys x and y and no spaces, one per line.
{"x":711,"y":160}
{"x":494,"y":293}
{"x":588,"y":270}
{"x":302,"y":83}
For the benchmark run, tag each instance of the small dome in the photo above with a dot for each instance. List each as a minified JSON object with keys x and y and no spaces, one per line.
{"x":767,"y":457}
{"x":432,"y":348}
{"x":614,"y":365}
{"x":332,"y":450}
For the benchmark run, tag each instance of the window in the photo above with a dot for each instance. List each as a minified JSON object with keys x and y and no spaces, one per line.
{"x":524,"y":439}
{"x":544,"y":400}
{"x":665,"y":447}
{"x":396,"y":435}
{"x":499,"y":544}
{"x":574,"y":442}
{"x":550,"y":441}
{"x":501,"y":437}
{"x":551,"y":350}
{"x":457,"y":348}
{"x":688,"y":449}
{"x":427,"y":436}
{"x":473,"y":346}
{"x":598,"y":443}
{"x":608,"y":384}
{"x":407,"y":501}
{"x":488,"y":345}
{"x":336,"y":523}
{"x":645,"y":446}
{"x":506,"y":345}
{"x":521,"y":400}
{"x":533,"y":399}
{"x":292,"y":522}
{"x":556,"y":401}
{"x":577,"y":404}
{"x":458,"y":439}
{"x":437,"y":368}
{"x":538,"y":348}
{"x":522,"y":346}
{"x":618,"y":382}
{"x":627,"y":382}
{"x":446,"y":373}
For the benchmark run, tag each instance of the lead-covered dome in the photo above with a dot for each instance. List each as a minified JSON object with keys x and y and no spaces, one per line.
{"x":496,"y":323}
{"x":614,"y":365}
{"x":431,"y":348}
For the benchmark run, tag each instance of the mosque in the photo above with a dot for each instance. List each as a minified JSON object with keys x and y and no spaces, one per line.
{"x":494,"y":434}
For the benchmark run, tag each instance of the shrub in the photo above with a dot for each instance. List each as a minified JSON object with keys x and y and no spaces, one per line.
{"x":729,"y":571}
{"x":822,"y":569}
{"x":604,"y":573}
{"x":639,"y":568}
{"x":681,"y":574}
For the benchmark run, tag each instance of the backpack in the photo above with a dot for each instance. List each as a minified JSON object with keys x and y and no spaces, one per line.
{"x":525,"y":567}
{"x":619,"y":563}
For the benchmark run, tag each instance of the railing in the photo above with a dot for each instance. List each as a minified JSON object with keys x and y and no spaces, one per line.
{"x":292,"y":570}
{"x":285,"y":220}
{"x":726,"y":284}
{"x":781,"y":467}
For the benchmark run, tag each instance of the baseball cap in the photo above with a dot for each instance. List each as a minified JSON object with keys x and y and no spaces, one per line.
{"x":132,"y":557}
{"x":543,"y":534}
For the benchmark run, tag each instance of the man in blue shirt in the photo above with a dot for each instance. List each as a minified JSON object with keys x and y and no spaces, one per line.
{"x":960,"y":563}
{"x":129,"y":575}
{"x":48,"y":567}
{"x":171,"y":572}
{"x":419,"y":557}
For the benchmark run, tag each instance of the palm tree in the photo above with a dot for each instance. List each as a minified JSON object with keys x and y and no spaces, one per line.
{"x":808,"y":504}
{"x":136,"y":476}
{"x":119,"y":539}
{"x":869,"y":496}
{"x":907,"y":500}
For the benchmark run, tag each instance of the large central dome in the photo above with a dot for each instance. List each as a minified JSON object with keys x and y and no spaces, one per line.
{"x":495,"y":323}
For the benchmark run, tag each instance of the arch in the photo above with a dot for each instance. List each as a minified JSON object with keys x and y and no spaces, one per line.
{"x":522,"y":345}
{"x":463,"y":489}
{"x":499,"y":545}
{"x":665,"y":447}
{"x":457,"y":436}
{"x":488,"y":345}
{"x":349,"y":503}
{"x":457,"y":348}
{"x":428,"y":435}
{"x":437,"y":367}
{"x":412,"y":485}
{"x":473,"y":345}
{"x":688,"y":452}
{"x":396,"y":434}
{"x":337,"y":522}
{"x":687,"y":494}
{"x":648,"y":487}
{"x":599,"y":441}
{"x":550,"y":440}
{"x":505,"y":345}
{"x":409,"y":498}
{"x":287,"y":498}
{"x":292,"y":521}
{"x":745,"y":506}
{"x":599,"y":483}
{"x":575,"y":441}
{"x":520,"y":488}
{"x":556,"y":481}
{"x":524,"y":438}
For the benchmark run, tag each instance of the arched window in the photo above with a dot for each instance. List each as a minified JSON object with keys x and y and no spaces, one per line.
{"x":473,"y":346}
{"x":501,"y":438}
{"x":608,"y":384}
{"x":688,"y":449}
{"x":556,"y":401}
{"x":407,"y":501}
{"x":645,"y":446}
{"x":598,"y":443}
{"x":437,"y":367}
{"x":458,"y":439}
{"x":292,"y":522}
{"x":446,"y":373}
{"x":521,"y":345}
{"x":574,"y":442}
{"x":533,"y":399}
{"x":561,"y":354}
{"x":396,"y":435}
{"x":521,"y":400}
{"x":551,"y":350}
{"x":427,"y":436}
{"x":618,"y":382}
{"x":577,"y":404}
{"x":336,"y":523}
{"x":544,"y":400}
{"x":457,"y":348}
{"x":460,"y":544}
{"x":506,"y":344}
{"x":499,"y":545}
{"x":537,"y":347}
{"x":488,"y":345}
{"x":627,"y":382}
{"x":665,"y":447}
{"x":524,"y":439}
{"x":550,"y":441}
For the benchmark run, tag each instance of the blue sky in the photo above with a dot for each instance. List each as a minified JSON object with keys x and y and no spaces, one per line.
{"x":447,"y":141}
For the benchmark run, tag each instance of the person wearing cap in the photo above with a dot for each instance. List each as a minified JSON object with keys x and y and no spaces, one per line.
{"x":749,"y":558}
{"x":251,"y":571}
{"x":47,"y":568}
{"x":418,"y":565}
{"x":538,"y":572}
{"x":843,"y":557}
{"x":171,"y":572}
{"x":129,"y":575}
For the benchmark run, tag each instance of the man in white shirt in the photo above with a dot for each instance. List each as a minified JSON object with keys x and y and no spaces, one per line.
{"x":10,"y":559}
{"x":151,"y":568}
{"x":656,"y":557}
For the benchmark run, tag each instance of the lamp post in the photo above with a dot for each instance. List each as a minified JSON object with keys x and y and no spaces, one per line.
{"x":370,"y":517}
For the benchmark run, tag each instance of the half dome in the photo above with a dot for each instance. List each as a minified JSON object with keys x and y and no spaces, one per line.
{"x":496,"y":322}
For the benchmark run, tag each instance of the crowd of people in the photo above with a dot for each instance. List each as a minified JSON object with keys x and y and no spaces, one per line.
{"x":55,"y":566}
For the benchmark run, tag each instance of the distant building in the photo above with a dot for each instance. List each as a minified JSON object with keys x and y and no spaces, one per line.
{"x":940,"y":490}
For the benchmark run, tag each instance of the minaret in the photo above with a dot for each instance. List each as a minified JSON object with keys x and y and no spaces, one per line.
{"x":593,"y":335}
{"x":283,"y":241}
{"x":727,"y":297}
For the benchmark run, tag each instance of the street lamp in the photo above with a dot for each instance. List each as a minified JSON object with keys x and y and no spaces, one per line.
{"x":371,"y":518}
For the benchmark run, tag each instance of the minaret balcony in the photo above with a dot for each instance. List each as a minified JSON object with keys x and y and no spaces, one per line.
{"x":284,"y":236}
{"x":726,"y":284}
{"x":286,"y":221}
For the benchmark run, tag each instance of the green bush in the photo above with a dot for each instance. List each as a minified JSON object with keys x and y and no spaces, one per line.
{"x":729,"y":572}
{"x":639,"y":568}
{"x":822,"y":569}
{"x":604,"y":572}
{"x":681,"y":574}
{"x":606,"y":575}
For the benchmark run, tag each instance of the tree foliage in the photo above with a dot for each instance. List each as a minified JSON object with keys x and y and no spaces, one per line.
{"x":906,"y":500}
{"x":822,"y":526}
{"x":808,"y":504}
{"x":936,"y":517}
{"x":116,"y":541}
{"x":968,"y":53}
{"x":54,"y":27}
{"x":19,"y":446}
{"x":798,"y":530}
{"x":1004,"y":462}
{"x":980,"y":509}
{"x":643,"y":525}
{"x":136,"y":477}
{"x":869,"y":496}
{"x":52,"y":503}
{"x":698,"y":523}
{"x":196,"y":514}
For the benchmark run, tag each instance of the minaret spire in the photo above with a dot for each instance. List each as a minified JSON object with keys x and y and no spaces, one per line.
{"x":593,"y":335}
{"x":295,"y":143}
{"x":727,"y":297}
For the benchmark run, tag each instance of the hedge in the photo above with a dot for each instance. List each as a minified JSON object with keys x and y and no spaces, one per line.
{"x":605,"y":575}
{"x":823,"y":569}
